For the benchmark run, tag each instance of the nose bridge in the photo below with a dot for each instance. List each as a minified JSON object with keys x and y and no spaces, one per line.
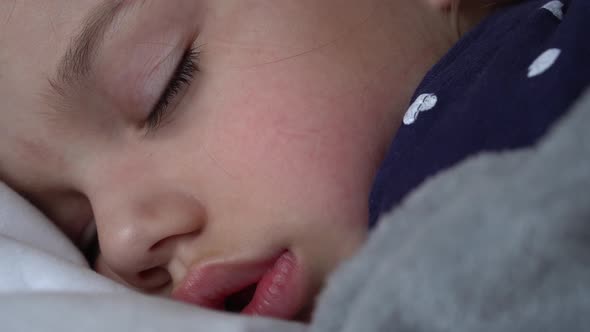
{"x":140,"y":225}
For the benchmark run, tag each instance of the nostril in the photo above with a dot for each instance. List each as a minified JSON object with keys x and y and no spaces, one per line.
{"x":171,"y":239}
{"x":153,"y":279}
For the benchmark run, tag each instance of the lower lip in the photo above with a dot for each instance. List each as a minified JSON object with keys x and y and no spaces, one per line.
{"x":280,"y":292}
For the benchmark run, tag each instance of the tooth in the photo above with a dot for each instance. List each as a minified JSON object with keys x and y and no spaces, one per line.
{"x":273,"y":290}
{"x":279,"y":279}
{"x":284,"y":268}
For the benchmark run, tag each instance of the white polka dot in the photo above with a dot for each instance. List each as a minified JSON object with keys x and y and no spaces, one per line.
{"x":555,"y":7}
{"x":423,"y":103}
{"x":544,"y":62}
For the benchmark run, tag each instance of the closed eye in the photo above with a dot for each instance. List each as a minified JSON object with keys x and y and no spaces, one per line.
{"x":182,"y":78}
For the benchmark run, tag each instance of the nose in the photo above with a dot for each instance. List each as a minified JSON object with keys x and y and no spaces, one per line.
{"x":139,"y":235}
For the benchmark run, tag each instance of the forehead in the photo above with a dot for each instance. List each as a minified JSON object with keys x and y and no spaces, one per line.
{"x":33,"y":36}
{"x":46,"y":24}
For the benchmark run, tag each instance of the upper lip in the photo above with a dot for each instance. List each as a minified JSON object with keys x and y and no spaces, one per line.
{"x":209,"y":285}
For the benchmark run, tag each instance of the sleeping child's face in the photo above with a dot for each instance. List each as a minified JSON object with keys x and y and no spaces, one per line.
{"x":217,"y":144}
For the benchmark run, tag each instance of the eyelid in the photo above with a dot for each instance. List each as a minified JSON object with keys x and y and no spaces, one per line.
{"x":179,"y":81}
{"x":157,"y":78}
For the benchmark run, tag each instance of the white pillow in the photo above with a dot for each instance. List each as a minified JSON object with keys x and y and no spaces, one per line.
{"x":35,"y":256}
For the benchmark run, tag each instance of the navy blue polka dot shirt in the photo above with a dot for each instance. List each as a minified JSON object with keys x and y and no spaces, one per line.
{"x":500,"y":88}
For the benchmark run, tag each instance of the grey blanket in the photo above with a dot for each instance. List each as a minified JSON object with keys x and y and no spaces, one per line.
{"x":499,"y":243}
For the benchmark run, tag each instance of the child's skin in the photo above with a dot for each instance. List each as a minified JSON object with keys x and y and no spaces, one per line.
{"x":272,"y":147}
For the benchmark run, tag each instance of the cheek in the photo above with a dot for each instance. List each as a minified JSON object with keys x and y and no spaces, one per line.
{"x":285,"y":141}
{"x":261,"y":128}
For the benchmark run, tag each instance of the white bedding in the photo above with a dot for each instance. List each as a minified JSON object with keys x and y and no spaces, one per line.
{"x":36,"y":257}
{"x":46,"y":285}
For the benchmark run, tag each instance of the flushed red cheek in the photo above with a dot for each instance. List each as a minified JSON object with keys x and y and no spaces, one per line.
{"x":285,"y":157}
{"x":280,"y":136}
{"x":267,"y":141}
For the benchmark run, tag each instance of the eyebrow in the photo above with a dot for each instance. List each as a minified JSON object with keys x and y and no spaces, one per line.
{"x":76,"y":64}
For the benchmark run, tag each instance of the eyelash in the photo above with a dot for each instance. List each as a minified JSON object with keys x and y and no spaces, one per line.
{"x":183,"y":76}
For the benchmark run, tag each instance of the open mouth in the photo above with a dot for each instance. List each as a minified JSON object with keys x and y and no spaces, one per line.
{"x":272,"y":288}
{"x":239,"y":301}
